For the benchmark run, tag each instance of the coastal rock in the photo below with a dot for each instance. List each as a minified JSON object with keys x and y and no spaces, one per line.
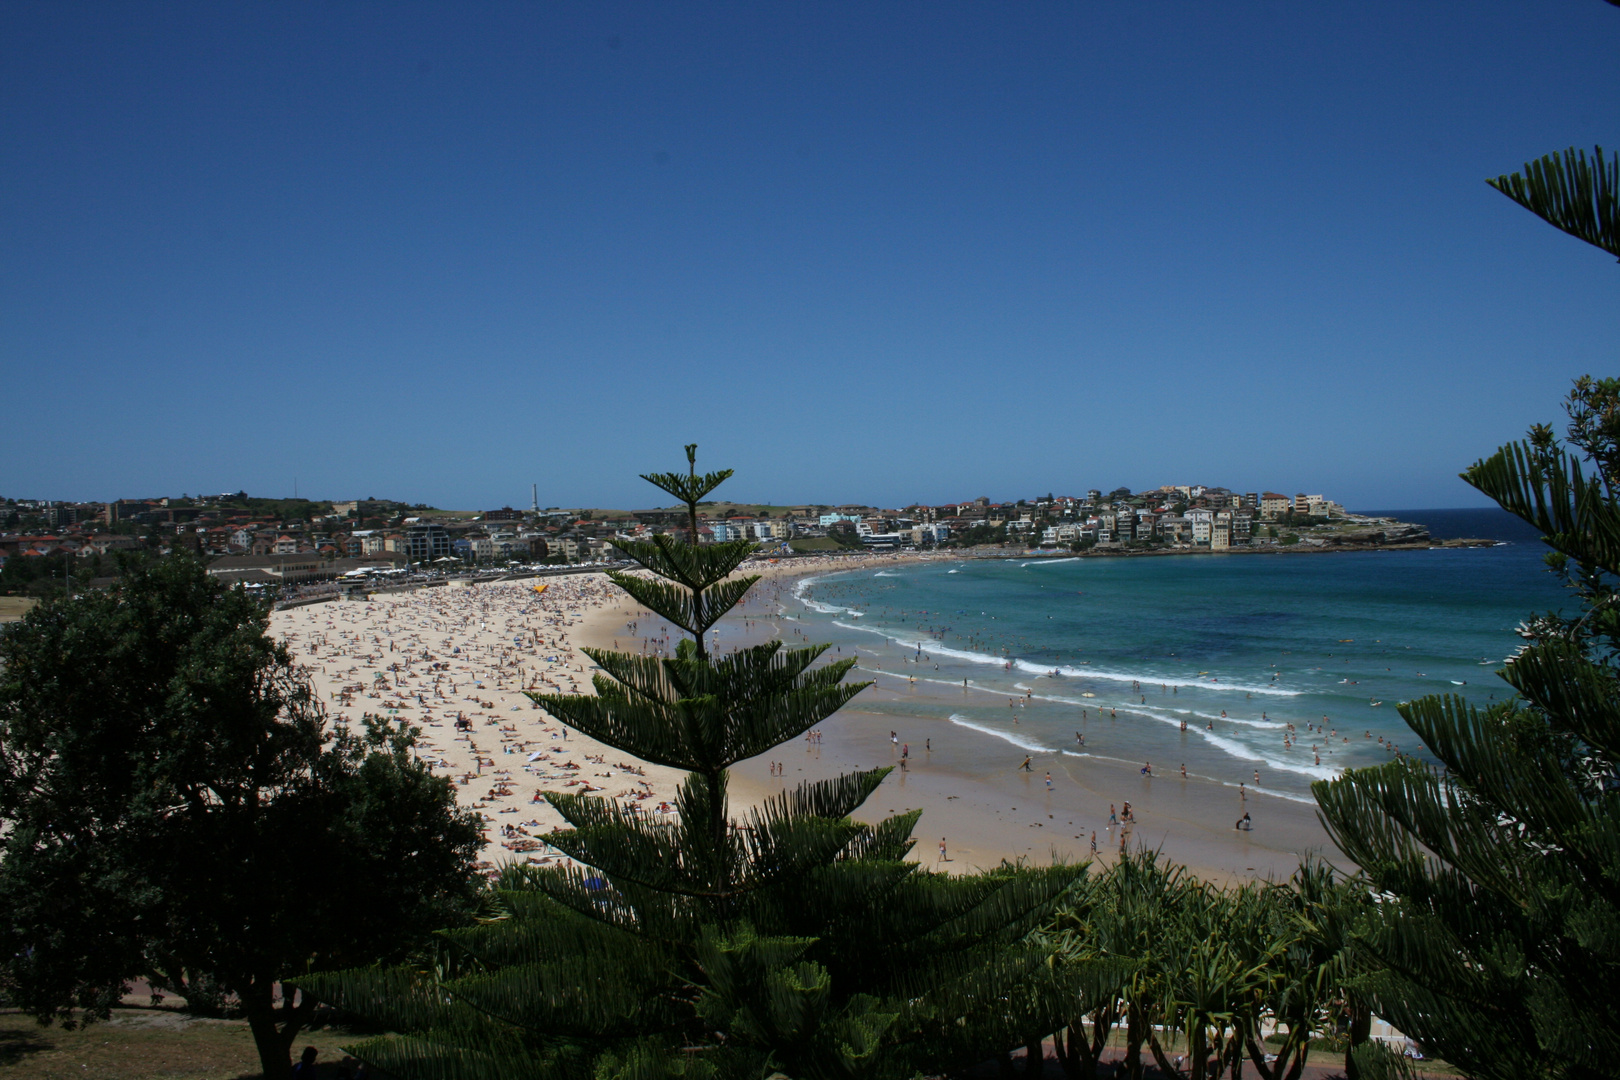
{"x":1391,"y":533}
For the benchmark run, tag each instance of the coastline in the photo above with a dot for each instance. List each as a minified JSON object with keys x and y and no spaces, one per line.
{"x":433,"y":656}
{"x":973,"y":794}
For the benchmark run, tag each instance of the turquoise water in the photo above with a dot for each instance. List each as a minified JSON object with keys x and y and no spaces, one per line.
{"x":1124,"y":651}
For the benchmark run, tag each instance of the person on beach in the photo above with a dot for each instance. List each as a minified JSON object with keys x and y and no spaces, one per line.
{"x":1113,"y":818}
{"x":1048,"y":781}
{"x":1093,"y":843}
{"x":1184,"y":770}
{"x":1025,"y":766}
{"x":1147,"y":768}
{"x":1244,"y":823}
{"x":1079,"y":739}
{"x":942,"y":857}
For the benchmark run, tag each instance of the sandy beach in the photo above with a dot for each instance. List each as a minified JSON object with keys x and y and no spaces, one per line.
{"x":439,"y":656}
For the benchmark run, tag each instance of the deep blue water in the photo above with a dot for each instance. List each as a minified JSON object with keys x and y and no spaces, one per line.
{"x":1126,"y":650}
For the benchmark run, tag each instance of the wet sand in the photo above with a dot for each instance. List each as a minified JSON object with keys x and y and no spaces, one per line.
{"x":974,"y":794}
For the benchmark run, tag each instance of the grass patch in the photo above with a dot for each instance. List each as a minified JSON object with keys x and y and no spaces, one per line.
{"x":147,"y":1044}
{"x":817,"y":543}
{"x":13,"y":608}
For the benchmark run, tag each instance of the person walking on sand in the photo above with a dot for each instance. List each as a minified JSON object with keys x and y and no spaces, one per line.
{"x":942,"y":857}
{"x":1093,"y":843}
{"x":1048,"y":781}
{"x":1113,"y":816}
{"x":1025,"y":766}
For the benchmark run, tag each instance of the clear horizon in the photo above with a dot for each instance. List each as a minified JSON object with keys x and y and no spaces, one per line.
{"x":879,"y":254}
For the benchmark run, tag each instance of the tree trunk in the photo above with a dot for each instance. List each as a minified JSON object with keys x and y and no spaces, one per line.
{"x":275,"y":1046}
{"x":1257,"y":1054}
{"x":1360,"y":1032}
{"x":1034,"y":1060}
{"x":1077,"y":1052}
{"x":1169,"y":1070}
{"x":1301,"y":1051}
{"x":1134,"y":1035}
{"x":1063,"y":1046}
{"x":1004,"y":1066}
{"x":1102,"y":1024}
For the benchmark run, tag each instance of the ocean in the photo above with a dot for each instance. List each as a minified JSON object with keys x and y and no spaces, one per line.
{"x":1287,"y":668}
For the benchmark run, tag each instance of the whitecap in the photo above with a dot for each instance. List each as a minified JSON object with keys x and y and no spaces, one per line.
{"x":1016,"y":739}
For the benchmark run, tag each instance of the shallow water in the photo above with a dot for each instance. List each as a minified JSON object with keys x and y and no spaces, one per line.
{"x":1124,"y":651}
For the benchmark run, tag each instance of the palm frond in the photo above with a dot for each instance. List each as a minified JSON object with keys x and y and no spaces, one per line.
{"x":1577,"y":196}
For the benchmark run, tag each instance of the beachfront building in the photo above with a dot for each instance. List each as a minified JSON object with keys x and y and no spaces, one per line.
{"x":1175,"y":528}
{"x":1220,"y":533}
{"x":1274,"y":505}
{"x":268,"y":568}
{"x":884,"y":539}
{"x":425,"y":542}
{"x":1067,"y":532}
{"x":1201,"y":521}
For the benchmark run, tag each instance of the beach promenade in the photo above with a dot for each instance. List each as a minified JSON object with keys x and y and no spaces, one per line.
{"x":454,"y":661}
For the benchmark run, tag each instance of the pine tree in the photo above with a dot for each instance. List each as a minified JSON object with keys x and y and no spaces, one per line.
{"x":792,"y":938}
{"x":1497,"y":934}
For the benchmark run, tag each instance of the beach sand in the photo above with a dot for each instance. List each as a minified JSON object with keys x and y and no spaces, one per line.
{"x":969,"y":785}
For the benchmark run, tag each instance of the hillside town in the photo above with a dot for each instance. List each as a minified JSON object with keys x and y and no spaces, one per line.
{"x":277,"y":542}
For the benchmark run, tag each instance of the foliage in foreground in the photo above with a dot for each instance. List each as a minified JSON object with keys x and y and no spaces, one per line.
{"x":793,"y":938}
{"x":175,"y":808}
{"x":1150,"y":950}
{"x":1498,"y":943}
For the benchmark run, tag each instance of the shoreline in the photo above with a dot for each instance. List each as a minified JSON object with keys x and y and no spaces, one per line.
{"x":989,"y":815}
{"x":432,"y":656}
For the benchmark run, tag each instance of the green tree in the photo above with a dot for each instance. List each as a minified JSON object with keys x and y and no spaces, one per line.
{"x":175,"y":808}
{"x":792,"y":938}
{"x":1148,"y":946}
{"x":1499,"y":938}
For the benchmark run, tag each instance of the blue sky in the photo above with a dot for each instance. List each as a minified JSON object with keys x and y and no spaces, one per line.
{"x":858,"y":252}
